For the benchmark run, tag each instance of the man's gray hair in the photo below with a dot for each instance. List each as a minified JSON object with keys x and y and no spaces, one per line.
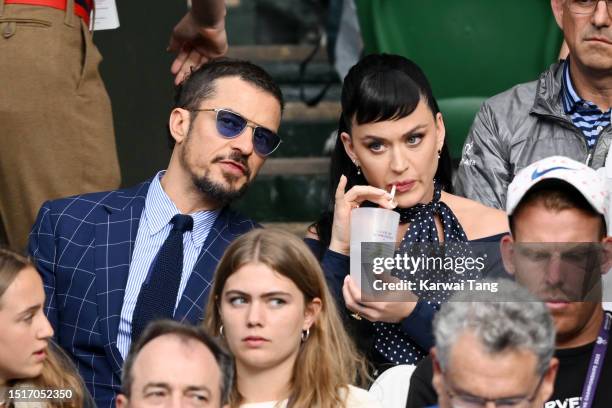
{"x":519,"y":322}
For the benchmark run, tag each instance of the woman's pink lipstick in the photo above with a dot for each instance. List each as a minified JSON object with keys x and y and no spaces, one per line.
{"x":404,"y":186}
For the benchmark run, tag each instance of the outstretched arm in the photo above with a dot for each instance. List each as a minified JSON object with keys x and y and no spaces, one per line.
{"x":198,"y":37}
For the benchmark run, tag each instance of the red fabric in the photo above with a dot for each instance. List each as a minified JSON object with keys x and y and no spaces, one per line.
{"x":57,"y":4}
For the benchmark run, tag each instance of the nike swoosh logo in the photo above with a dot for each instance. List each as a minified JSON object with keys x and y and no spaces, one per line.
{"x":537,"y":173}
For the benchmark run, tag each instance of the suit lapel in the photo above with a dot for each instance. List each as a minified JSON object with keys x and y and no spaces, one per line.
{"x":114,"y":244}
{"x":193,"y":301}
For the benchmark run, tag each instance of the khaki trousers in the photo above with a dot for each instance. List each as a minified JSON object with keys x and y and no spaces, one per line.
{"x":56,"y":129}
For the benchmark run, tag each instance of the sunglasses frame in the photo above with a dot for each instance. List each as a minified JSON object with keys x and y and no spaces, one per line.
{"x":247,"y":123}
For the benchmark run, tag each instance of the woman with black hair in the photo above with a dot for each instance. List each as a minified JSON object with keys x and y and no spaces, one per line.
{"x":391,"y":134}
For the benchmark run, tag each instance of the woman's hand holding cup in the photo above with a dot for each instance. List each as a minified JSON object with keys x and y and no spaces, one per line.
{"x":347,"y":201}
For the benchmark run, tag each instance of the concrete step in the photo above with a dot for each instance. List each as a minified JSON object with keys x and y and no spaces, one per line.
{"x":271,"y":21}
{"x":285,"y":198}
{"x":283,"y":63}
{"x":276,"y":53}
{"x":295,"y":166}
{"x":297,"y":111}
{"x":304,"y":130}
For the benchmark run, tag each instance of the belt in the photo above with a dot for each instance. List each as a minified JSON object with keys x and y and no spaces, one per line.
{"x":82,"y":8}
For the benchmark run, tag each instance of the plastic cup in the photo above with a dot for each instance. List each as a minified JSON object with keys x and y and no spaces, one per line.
{"x":371,"y":225}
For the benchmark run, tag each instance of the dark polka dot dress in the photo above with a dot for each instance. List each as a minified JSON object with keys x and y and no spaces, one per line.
{"x":390,"y":340}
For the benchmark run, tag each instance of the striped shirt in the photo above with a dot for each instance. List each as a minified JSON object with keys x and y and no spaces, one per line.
{"x":153,"y":230}
{"x":585,"y":115}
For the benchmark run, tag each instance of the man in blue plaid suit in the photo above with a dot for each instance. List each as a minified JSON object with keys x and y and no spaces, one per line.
{"x":95,"y":252}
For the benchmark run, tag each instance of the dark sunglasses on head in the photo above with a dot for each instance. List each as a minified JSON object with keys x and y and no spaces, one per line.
{"x":231,"y":125}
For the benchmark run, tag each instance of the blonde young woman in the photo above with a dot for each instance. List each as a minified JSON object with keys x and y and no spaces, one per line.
{"x":33,"y":372}
{"x":271,"y":306}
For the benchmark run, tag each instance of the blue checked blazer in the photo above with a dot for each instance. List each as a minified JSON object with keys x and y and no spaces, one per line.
{"x":82,"y":246}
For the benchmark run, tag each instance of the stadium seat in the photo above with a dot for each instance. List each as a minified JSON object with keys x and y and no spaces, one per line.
{"x":469,"y":49}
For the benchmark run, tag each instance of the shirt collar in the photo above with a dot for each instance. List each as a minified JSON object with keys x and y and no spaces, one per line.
{"x":159,"y":210}
{"x":570,"y":97}
{"x":572,"y":102}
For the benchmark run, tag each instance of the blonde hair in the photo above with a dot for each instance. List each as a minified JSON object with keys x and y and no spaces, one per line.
{"x":327,"y":361}
{"x":58,"y":371}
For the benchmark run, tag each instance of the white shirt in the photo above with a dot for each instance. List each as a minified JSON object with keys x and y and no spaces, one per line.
{"x":357,"y":398}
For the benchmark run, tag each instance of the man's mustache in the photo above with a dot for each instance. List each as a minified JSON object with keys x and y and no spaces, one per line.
{"x":238,"y":158}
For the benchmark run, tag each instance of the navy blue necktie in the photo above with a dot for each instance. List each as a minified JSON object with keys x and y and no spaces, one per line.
{"x":157,"y":297}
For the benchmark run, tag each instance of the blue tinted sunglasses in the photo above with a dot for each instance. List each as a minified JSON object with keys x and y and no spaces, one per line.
{"x":231,"y":125}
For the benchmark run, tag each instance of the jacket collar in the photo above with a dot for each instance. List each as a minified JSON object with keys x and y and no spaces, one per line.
{"x":549,"y":93}
{"x":113,"y":255}
{"x":120,"y":200}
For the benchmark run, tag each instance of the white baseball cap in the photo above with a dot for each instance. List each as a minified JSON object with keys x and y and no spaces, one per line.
{"x":585,"y":179}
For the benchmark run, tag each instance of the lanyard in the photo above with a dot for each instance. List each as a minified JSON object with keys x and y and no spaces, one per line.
{"x":597,"y":357}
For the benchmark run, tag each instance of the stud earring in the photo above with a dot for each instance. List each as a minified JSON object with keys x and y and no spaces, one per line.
{"x":439,"y":151}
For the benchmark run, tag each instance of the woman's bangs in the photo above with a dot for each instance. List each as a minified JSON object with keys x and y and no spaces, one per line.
{"x":386,"y":95}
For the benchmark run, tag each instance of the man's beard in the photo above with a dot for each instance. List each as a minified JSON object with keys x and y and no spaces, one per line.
{"x":211,"y":190}
{"x":216,"y":192}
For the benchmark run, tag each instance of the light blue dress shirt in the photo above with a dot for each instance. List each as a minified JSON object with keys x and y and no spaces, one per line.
{"x":153,"y":230}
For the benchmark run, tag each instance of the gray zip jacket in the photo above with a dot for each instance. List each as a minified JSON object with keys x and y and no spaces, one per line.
{"x":516,"y":128}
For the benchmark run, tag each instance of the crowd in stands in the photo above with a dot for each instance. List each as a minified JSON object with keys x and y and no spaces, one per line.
{"x":161,"y":295}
